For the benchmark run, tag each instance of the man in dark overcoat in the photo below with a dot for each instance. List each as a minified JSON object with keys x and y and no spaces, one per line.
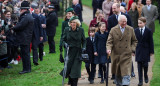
{"x":36,"y":37}
{"x":24,"y":31}
{"x":96,"y":4}
{"x":51,"y":23}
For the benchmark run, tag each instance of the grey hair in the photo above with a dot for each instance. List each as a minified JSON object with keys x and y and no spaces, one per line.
{"x":77,"y":22}
{"x":120,"y":17}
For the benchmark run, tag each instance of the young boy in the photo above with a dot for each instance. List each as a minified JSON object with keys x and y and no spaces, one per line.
{"x":144,"y":49}
{"x":90,"y":52}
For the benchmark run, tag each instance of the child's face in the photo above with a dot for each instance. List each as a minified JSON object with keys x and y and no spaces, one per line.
{"x":69,"y":15}
{"x":141,"y":24}
{"x":92,"y":33}
{"x":103,"y":27}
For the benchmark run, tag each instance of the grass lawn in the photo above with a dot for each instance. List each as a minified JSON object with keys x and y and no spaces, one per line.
{"x":87,"y":3}
{"x":156,"y":67}
{"x":45,"y":74}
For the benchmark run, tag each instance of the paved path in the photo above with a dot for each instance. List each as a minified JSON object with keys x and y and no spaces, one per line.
{"x":83,"y":81}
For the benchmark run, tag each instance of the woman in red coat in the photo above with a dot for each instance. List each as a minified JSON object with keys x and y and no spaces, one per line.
{"x":129,"y":4}
{"x":99,"y":18}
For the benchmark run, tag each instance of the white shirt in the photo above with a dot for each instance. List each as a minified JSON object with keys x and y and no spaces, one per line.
{"x":149,"y":7}
{"x":92,"y":38}
{"x":143,"y":29}
{"x":122,"y":29}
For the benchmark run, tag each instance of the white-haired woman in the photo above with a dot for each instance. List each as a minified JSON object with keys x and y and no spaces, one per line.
{"x":74,"y":38}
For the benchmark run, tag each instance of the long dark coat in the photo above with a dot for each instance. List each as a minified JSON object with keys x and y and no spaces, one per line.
{"x":134,"y":17}
{"x":64,"y":25}
{"x":24,"y":29}
{"x":100,"y":47}
{"x":145,"y":45}
{"x":51,"y":23}
{"x":37,"y":29}
{"x":43,"y":21}
{"x":90,"y":49}
{"x":112,"y":21}
{"x":76,"y":40}
{"x":78,"y":10}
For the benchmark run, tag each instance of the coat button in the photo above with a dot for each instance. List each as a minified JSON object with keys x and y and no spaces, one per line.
{"x":119,"y":47}
{"x":126,"y":47}
{"x":126,"y":40}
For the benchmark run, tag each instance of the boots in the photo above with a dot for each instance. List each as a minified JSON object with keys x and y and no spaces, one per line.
{"x":74,"y":81}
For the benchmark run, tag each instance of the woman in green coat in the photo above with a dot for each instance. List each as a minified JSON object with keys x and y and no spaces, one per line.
{"x":74,"y":38}
{"x":69,"y":13}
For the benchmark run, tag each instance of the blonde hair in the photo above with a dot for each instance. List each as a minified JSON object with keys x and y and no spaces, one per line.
{"x":135,"y":5}
{"x":77,"y":22}
{"x":98,"y":12}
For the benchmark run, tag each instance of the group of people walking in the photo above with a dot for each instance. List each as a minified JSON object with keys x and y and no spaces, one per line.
{"x":118,"y":30}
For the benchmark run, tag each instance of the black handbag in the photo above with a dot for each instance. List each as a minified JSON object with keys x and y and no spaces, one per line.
{"x":84,"y":57}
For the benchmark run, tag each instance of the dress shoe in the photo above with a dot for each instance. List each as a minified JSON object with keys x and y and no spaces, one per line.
{"x":146,"y":79}
{"x":52,"y":52}
{"x":133,"y":74}
{"x":102,"y":81}
{"x":9,"y":67}
{"x":113,"y":77}
{"x":36,"y":64}
{"x":91,"y":81}
{"x":140,"y":83}
{"x":23,"y":72}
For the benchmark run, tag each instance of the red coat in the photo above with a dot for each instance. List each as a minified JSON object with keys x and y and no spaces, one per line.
{"x":93,"y":23}
{"x":129,"y":4}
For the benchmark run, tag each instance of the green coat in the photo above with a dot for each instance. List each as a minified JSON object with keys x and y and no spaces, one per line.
{"x":76,"y":40}
{"x":64,"y":25}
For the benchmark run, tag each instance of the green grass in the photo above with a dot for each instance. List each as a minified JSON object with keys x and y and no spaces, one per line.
{"x":87,"y":3}
{"x":156,"y":67}
{"x":45,"y":74}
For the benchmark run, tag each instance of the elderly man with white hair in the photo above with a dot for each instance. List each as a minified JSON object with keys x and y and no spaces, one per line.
{"x":121,"y":45}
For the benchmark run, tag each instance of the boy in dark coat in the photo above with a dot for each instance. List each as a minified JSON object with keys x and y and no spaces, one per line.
{"x":90,"y":52}
{"x":144,"y":49}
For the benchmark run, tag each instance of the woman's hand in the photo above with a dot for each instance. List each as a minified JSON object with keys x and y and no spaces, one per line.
{"x":95,"y":53}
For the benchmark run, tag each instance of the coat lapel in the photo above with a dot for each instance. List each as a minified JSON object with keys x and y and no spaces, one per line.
{"x":118,"y":31}
{"x":125,"y":32}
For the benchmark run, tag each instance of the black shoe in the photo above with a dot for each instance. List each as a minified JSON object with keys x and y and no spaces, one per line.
{"x":69,"y":83}
{"x":23,"y":72}
{"x":140,"y":83}
{"x":133,"y":74}
{"x":9,"y":67}
{"x":102,"y":81}
{"x":146,"y":79}
{"x":91,"y":81}
{"x":36,"y":64}
{"x":113,"y":77}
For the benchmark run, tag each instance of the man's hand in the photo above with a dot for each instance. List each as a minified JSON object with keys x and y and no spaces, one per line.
{"x":43,"y":25}
{"x":4,"y":37}
{"x":108,"y":52}
{"x":1,"y":42}
{"x":95,"y":53}
{"x":41,"y":38}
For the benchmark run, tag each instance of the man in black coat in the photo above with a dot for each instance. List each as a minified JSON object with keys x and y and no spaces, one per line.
{"x":96,"y":4}
{"x":36,"y":37}
{"x":51,"y":28}
{"x":113,"y":19}
{"x":24,"y":31}
{"x":77,"y":9}
{"x":144,"y":49}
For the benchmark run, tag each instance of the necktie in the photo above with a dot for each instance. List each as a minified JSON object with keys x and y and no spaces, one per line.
{"x":92,"y":39}
{"x":149,"y":7}
{"x":141,"y":32}
{"x":117,"y":17}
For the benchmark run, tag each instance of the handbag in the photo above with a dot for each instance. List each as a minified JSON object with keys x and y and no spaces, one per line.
{"x":84,"y":57}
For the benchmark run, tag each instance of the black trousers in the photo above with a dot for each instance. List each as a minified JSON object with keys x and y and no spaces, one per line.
{"x":102,"y":69}
{"x":51,"y":44}
{"x":142,"y":66}
{"x":41,"y":46}
{"x":25,"y":55}
{"x":34,"y":50}
{"x":73,"y":81}
{"x":91,"y":68}
{"x":3,"y":61}
{"x":12,"y":52}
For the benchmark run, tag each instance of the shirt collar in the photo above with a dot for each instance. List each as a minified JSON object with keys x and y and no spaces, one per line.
{"x":149,"y":5}
{"x":143,"y":28}
{"x":121,"y":27}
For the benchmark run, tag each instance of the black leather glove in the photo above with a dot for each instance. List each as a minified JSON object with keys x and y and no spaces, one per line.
{"x":61,"y":58}
{"x":66,"y":45}
{"x":83,"y":50}
{"x":60,"y":48}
